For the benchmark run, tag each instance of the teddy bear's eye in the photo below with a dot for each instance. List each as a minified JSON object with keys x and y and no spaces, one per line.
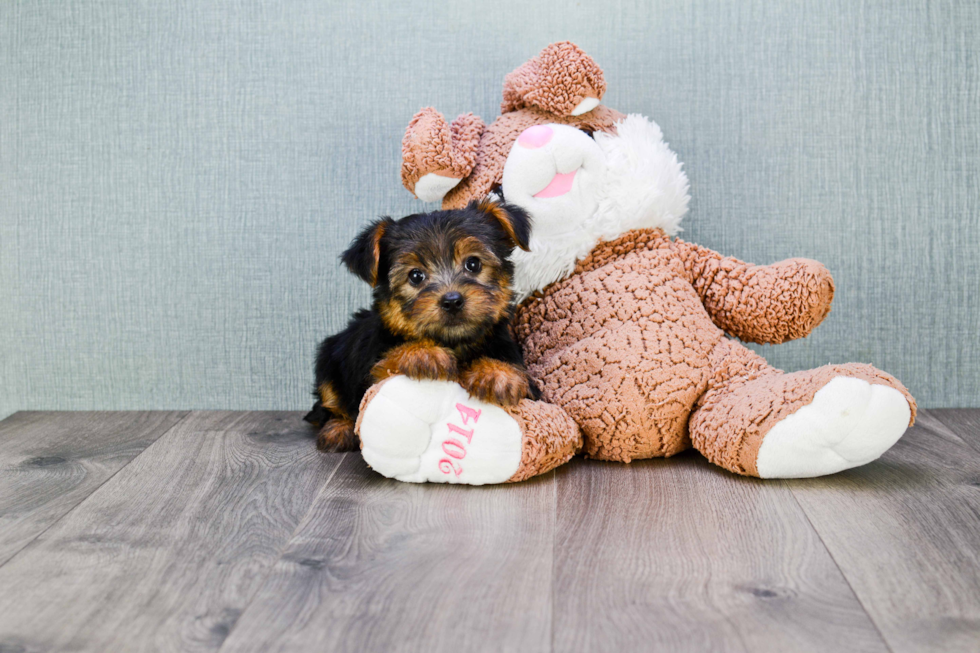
{"x":416,"y":277}
{"x":587,"y":132}
{"x":473,"y":264}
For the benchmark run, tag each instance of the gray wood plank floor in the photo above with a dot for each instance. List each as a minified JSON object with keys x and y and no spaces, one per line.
{"x":50,"y":462}
{"x":219,"y":531}
{"x":683,"y":556}
{"x":906,"y":533}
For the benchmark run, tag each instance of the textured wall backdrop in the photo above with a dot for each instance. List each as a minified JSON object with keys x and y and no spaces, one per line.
{"x":177,"y":178}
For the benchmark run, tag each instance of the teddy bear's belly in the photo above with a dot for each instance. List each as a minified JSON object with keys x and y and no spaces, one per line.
{"x":626,"y":354}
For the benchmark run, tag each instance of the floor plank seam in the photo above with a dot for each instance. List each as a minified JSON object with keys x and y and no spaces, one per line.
{"x":969,"y":442}
{"x":847,"y":580}
{"x":95,"y":490}
{"x":286,"y":542}
{"x":554,"y":558}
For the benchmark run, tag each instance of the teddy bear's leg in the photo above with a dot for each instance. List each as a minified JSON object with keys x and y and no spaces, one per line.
{"x":757,"y":421}
{"x":433,"y":431}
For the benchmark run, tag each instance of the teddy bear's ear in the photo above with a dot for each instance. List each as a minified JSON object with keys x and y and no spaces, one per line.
{"x":562,"y":80}
{"x":436,"y":155}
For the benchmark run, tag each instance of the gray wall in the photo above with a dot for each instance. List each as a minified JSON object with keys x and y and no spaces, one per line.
{"x":177,"y":178}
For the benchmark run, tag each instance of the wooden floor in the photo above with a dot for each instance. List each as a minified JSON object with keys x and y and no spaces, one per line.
{"x":219,"y":531}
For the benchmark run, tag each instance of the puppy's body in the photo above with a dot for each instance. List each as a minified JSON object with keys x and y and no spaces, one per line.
{"x":441,"y":310}
{"x":346,"y":361}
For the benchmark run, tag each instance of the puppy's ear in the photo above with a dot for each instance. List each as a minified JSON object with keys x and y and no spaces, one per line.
{"x":514,"y":220}
{"x":364,"y":254}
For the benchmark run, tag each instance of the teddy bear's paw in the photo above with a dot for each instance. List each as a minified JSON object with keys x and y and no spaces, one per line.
{"x":849,"y":423}
{"x":433,"y":431}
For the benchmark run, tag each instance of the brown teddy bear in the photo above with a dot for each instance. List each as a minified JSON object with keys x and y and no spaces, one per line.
{"x":625,"y":328}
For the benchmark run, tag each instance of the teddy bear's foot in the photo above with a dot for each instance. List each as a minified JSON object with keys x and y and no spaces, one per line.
{"x":849,"y":423}
{"x":757,"y":421}
{"x":433,"y":431}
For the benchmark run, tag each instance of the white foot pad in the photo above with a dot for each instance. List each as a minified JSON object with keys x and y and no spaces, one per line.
{"x":850,"y":422}
{"x":433,"y":431}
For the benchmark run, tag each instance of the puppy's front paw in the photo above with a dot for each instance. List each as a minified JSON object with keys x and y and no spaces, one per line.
{"x":417,"y":360}
{"x":496,"y":382}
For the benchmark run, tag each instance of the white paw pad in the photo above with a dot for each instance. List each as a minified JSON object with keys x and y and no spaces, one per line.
{"x":433,"y":431}
{"x":433,"y":187}
{"x":849,"y":423}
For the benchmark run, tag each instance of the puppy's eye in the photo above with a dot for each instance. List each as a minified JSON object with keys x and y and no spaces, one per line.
{"x":416,"y":277}
{"x":473,"y":264}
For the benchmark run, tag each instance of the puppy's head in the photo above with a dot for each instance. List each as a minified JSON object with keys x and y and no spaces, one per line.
{"x":444,"y":275}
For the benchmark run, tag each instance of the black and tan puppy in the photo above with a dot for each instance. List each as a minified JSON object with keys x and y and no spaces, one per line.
{"x":441,"y":310}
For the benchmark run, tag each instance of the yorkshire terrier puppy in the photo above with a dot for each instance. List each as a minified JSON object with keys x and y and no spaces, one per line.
{"x":442,"y":309}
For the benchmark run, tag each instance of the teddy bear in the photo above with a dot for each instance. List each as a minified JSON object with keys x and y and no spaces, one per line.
{"x":631,"y":333}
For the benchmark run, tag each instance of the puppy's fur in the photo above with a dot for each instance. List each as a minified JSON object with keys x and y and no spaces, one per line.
{"x":442,"y":310}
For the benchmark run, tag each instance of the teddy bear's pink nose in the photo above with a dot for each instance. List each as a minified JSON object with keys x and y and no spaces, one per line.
{"x":537,"y":136}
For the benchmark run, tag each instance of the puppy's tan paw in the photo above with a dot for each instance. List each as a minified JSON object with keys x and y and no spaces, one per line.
{"x":417,"y":360}
{"x":496,"y":382}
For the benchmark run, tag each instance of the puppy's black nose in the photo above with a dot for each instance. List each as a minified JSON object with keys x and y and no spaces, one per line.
{"x":451,"y":302}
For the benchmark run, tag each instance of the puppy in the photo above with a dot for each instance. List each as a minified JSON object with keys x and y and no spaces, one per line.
{"x":442,"y":310}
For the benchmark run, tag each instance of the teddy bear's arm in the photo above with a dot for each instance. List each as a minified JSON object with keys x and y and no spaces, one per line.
{"x":766,"y":304}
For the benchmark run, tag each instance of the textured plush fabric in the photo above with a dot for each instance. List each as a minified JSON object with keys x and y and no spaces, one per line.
{"x":623,"y":346}
{"x":765,"y":304}
{"x":177,"y":178}
{"x":551,"y":438}
{"x":628,"y":347}
{"x":431,"y":145}
{"x":556,"y":81}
